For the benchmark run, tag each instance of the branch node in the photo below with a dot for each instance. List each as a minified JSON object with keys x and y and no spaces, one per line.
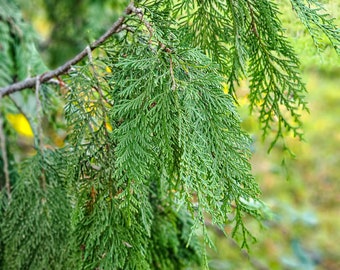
{"x":89,"y":53}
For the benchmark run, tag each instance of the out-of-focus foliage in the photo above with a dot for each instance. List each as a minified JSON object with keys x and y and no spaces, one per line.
{"x":303,"y":195}
{"x":18,"y":55}
{"x":68,"y":26}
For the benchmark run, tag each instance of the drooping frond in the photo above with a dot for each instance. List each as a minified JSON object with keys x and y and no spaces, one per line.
{"x":39,"y":214}
{"x":251,"y":35}
{"x":318,"y":22}
{"x":276,"y":88}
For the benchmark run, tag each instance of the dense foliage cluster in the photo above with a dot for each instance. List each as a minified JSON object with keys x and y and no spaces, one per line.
{"x":154,"y":149}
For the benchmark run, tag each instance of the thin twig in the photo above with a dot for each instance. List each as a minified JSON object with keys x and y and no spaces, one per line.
{"x":4,"y":158}
{"x":173,"y":87}
{"x":97,"y":87}
{"x":253,"y":24}
{"x":39,"y":130}
{"x":89,"y":54}
{"x":140,"y":15}
{"x":30,"y":82}
{"x":38,"y":113}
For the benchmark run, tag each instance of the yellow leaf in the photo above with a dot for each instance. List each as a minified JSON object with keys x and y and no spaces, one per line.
{"x":108,"y":69}
{"x":225,"y":88}
{"x":20,"y":124}
{"x":42,"y":25}
{"x":108,"y":127}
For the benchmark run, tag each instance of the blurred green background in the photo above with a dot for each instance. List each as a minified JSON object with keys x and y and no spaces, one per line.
{"x":302,"y":229}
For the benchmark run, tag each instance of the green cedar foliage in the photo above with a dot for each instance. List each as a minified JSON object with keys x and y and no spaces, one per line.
{"x":37,"y":219}
{"x":154,"y":149}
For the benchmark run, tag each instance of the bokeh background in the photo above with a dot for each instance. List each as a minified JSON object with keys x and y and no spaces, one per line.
{"x":301,"y":189}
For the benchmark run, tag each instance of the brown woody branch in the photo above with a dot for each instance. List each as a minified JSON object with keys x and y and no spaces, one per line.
{"x":118,"y":26}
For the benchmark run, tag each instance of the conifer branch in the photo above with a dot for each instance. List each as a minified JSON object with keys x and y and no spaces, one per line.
{"x":154,"y":147}
{"x":117,"y":27}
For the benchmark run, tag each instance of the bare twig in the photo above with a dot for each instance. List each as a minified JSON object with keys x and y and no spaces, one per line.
{"x":38,"y":112}
{"x":89,"y":54}
{"x":173,"y":87}
{"x":4,"y":158}
{"x":97,"y":87}
{"x":30,"y":82}
{"x":40,"y":131}
{"x":253,"y":24}
{"x":140,"y":15}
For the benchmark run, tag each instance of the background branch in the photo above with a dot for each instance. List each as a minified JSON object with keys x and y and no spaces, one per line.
{"x":4,"y":158}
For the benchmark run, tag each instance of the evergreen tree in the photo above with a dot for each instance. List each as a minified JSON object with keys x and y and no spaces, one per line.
{"x":154,"y":147}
